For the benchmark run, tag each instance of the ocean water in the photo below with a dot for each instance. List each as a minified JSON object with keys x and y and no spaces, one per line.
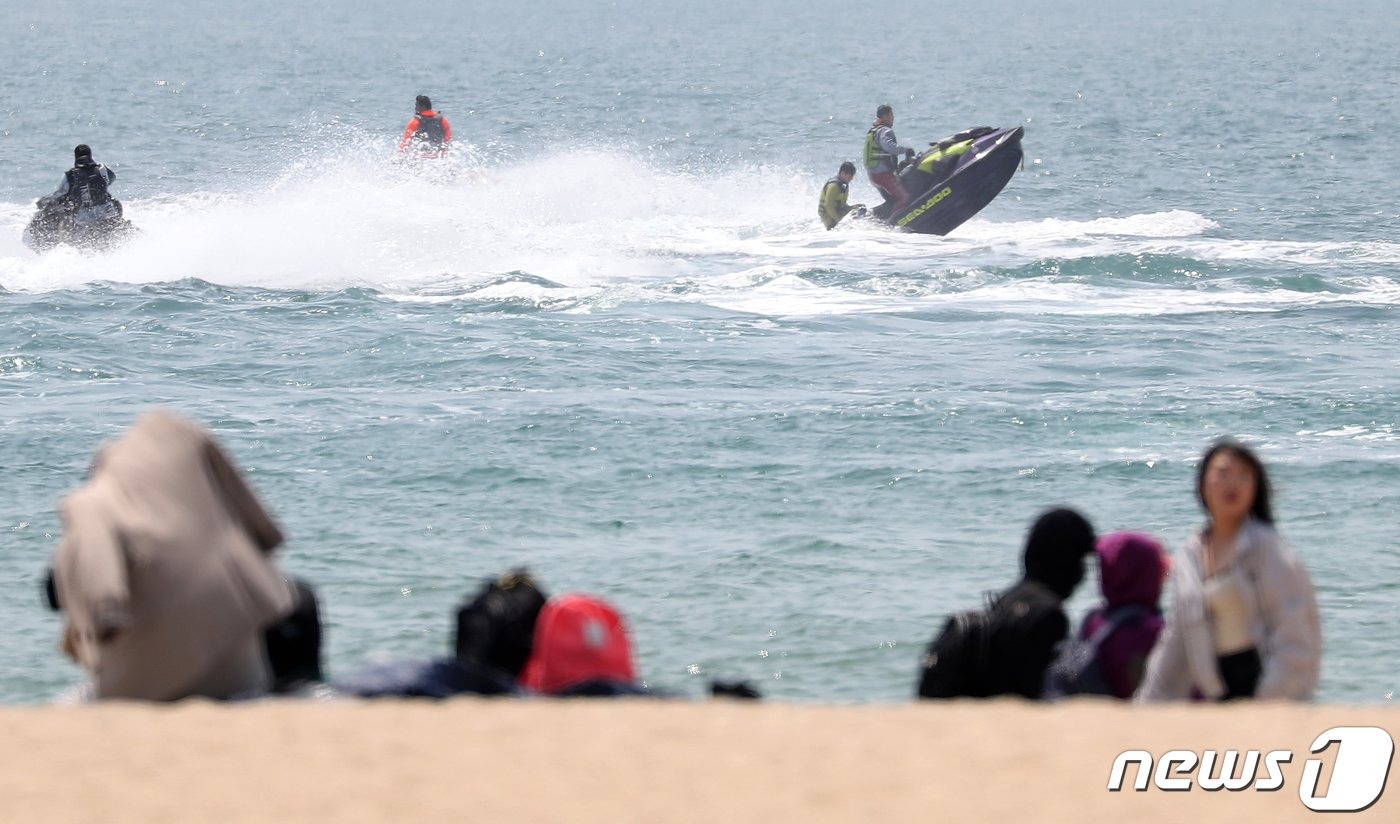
{"x":614,"y":344}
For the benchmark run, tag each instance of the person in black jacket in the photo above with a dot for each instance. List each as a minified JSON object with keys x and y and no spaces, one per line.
{"x":1005,"y":649}
{"x":84,"y":191}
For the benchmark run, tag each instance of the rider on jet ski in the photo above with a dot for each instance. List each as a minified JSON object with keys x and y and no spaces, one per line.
{"x":882,"y":153}
{"x":833,"y":206}
{"x":428,"y":133}
{"x":84,"y":191}
{"x":82,"y":213}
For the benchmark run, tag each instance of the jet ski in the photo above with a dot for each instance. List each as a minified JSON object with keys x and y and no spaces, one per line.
{"x":55,"y":223}
{"x":955,"y":179}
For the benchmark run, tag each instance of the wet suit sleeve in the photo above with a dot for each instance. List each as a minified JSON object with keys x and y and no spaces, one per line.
{"x":887,"y":142}
{"x":408,"y":132}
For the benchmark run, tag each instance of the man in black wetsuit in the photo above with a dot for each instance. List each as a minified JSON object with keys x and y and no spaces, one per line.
{"x":85,"y":192}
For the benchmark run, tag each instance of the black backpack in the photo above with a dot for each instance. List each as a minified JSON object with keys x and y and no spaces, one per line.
{"x":430,"y":131}
{"x":1076,"y":669}
{"x":87,"y":186}
{"x":956,"y":663}
{"x":497,"y":627}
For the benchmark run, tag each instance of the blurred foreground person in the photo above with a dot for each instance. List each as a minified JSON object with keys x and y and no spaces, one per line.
{"x":163,"y":571}
{"x":1006,"y":648}
{"x":513,"y":639}
{"x":1244,"y":620}
{"x":581,"y":647}
{"x":1109,"y":655}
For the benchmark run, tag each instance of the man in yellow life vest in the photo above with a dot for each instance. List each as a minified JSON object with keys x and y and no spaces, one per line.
{"x":833,"y":201}
{"x":882,"y":153}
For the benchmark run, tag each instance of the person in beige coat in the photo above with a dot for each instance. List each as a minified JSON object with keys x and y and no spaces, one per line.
{"x":1244,"y":619}
{"x":163,"y":570}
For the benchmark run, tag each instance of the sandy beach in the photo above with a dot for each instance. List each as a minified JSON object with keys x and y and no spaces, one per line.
{"x":640,"y":760}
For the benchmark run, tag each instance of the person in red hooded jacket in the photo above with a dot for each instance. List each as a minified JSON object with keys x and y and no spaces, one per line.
{"x":428,"y":134}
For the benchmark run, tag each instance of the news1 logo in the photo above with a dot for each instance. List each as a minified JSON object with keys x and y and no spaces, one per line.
{"x":1358,"y":773}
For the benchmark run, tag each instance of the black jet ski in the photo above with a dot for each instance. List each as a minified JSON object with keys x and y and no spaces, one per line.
{"x":956,"y":178}
{"x":56,"y":223}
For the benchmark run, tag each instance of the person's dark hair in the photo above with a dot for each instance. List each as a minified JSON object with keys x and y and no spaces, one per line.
{"x":423,"y":103}
{"x":883,"y":110}
{"x":848,"y":167}
{"x":1261,"y":510}
{"x":81,"y":151}
{"x":1055,"y":550}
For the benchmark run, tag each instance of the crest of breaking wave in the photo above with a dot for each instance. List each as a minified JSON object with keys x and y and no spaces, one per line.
{"x":592,"y":226}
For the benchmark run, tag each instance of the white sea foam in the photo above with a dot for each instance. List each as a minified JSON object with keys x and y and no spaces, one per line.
{"x":591,"y":228}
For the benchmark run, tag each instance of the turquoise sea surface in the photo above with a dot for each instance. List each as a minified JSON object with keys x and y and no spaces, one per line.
{"x":612,"y":342}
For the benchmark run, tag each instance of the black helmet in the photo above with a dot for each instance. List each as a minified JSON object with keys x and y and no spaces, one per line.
{"x":82,"y":151}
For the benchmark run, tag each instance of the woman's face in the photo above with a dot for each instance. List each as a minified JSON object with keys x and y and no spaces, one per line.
{"x":1228,"y":486}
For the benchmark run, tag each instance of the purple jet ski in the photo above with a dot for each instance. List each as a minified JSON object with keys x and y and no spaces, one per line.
{"x":956,"y":178}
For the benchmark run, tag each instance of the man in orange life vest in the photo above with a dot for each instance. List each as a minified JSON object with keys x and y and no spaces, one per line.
{"x":427,"y":134}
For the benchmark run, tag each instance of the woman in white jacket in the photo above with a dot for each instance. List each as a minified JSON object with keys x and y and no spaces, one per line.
{"x":1244,"y":620}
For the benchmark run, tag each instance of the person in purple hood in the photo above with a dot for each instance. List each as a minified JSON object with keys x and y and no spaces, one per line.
{"x":1132,"y":567}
